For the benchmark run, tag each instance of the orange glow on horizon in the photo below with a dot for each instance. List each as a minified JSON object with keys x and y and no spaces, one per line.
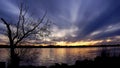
{"x":65,"y":43}
{"x":108,"y":40}
{"x":86,"y":43}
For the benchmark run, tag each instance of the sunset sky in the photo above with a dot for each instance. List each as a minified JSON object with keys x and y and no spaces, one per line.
{"x":76,"y":22}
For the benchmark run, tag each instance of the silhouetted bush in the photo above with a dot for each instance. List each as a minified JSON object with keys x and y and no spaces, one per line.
{"x":2,"y":64}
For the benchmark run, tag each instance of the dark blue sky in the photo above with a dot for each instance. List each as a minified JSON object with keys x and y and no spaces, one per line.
{"x":74,"y":20}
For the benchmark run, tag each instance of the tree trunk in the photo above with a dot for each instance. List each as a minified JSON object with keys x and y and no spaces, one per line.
{"x":12,"y":53}
{"x":14,"y":59}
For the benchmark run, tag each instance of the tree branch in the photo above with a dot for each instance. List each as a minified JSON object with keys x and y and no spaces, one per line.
{"x":18,"y":23}
{"x":8,"y":31}
{"x":23,"y":27}
{"x":30,"y":31}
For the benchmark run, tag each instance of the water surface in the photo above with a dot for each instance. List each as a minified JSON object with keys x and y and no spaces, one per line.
{"x":49,"y":56}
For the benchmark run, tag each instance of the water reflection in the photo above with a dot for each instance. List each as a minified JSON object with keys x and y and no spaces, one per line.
{"x":4,"y":54}
{"x":49,"y":56}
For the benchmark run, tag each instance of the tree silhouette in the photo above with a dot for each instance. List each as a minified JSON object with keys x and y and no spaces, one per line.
{"x":25,"y":28}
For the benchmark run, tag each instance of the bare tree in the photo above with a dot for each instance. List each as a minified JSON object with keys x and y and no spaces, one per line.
{"x":25,"y":28}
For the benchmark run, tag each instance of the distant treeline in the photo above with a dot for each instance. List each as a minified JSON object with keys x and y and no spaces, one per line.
{"x":58,"y":46}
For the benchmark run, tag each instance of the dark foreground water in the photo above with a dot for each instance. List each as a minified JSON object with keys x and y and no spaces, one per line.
{"x":49,"y":56}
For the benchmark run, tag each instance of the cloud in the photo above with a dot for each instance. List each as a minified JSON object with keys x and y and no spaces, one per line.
{"x":75,"y":20}
{"x":108,"y":14}
{"x":107,"y":30}
{"x":64,"y":34}
{"x":3,"y":39}
{"x":8,"y":8}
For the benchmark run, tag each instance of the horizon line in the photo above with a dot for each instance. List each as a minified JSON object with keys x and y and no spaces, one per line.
{"x":53,"y":46}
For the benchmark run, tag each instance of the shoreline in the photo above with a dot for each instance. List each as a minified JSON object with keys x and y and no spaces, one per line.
{"x":53,"y":46}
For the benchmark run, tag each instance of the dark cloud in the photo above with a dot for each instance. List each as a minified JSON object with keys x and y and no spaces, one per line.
{"x":108,"y":34}
{"x":74,"y":19}
{"x":111,"y":15}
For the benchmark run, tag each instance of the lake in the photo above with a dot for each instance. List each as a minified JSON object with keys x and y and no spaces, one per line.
{"x":49,"y":56}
